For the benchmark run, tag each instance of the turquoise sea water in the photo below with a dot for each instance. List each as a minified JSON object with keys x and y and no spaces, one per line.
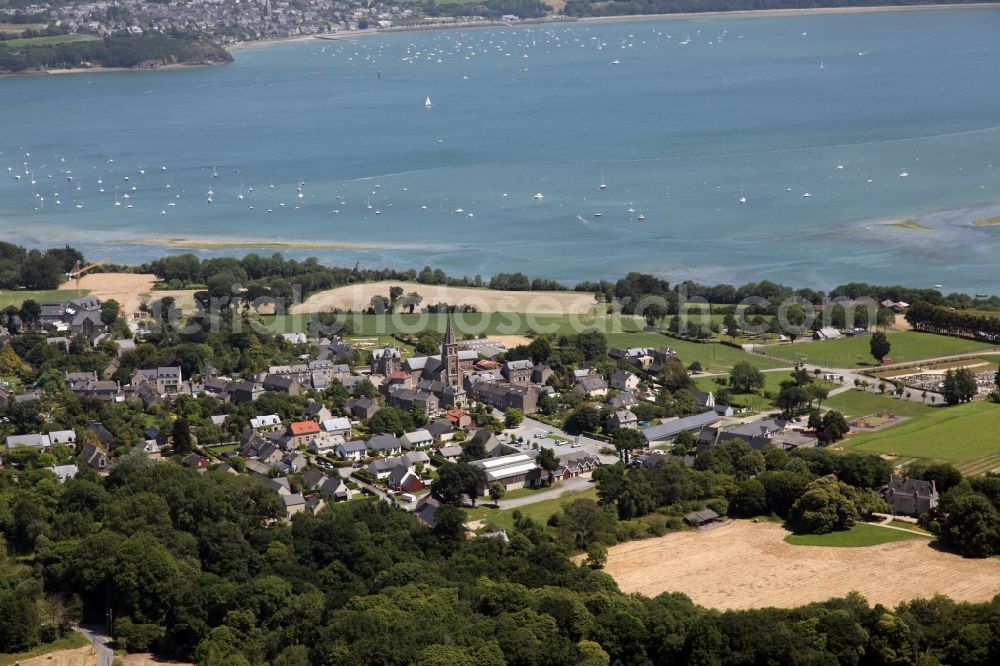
{"x":761,"y":108}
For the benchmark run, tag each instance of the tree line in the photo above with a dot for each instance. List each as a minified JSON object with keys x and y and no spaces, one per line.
{"x":195,"y":566}
{"x":119,"y":50}
{"x":35,"y":269}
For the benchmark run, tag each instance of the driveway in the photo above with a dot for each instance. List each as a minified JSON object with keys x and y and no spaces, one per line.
{"x":95,"y":634}
{"x":577,"y":484}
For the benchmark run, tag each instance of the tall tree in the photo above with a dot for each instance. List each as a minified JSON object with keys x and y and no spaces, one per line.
{"x":745,"y":378}
{"x":181,"y":436}
{"x":879,"y":346}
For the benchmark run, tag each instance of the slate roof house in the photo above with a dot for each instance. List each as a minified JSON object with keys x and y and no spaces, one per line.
{"x":281,"y":384}
{"x":624,"y":381}
{"x":385,"y":444}
{"x":910,"y":497}
{"x":518,"y":372}
{"x":355,"y":450}
{"x":623,"y":418}
{"x":95,"y":456}
{"x":668,"y":429}
{"x":591,"y":385}
{"x":503,"y":395}
{"x":80,"y":315}
{"x":167,"y":380}
{"x":362,"y":408}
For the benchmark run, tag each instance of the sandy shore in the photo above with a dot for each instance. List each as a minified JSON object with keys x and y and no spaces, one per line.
{"x":907,"y":224}
{"x":225,"y":244}
{"x":746,"y":565}
{"x":105,"y":70}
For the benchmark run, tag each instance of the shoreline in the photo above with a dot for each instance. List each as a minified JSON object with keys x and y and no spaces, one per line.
{"x":548,"y":20}
{"x":257,"y":243}
{"x":781,"y":13}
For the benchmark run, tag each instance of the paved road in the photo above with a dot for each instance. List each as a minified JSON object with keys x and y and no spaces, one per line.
{"x":94,"y":634}
{"x":579,"y":483}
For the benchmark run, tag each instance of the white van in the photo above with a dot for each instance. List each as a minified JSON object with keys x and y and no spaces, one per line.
{"x":407,"y":497}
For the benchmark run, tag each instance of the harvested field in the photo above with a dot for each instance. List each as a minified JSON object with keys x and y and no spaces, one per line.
{"x":126,"y":288}
{"x":359,"y":296}
{"x":83,"y":656}
{"x":747,"y":565}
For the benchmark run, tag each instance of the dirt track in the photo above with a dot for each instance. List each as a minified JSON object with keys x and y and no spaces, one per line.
{"x":744,"y":565}
{"x":359,"y":296}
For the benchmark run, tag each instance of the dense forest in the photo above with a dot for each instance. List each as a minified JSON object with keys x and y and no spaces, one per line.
{"x":35,"y":269}
{"x":582,"y":8}
{"x":147,"y":50}
{"x":195,"y":565}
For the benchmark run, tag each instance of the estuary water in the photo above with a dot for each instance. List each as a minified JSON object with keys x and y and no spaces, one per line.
{"x":706,"y":134}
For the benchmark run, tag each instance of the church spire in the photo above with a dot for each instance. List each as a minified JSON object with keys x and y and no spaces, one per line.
{"x":449,"y":334}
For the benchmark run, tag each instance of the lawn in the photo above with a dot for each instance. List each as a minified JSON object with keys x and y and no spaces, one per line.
{"x":620,"y":332}
{"x":713,"y":357}
{"x":859,"y":536}
{"x":966,"y":436}
{"x":490,"y":323}
{"x":70,"y":641}
{"x":537,"y":511}
{"x":772,"y":384}
{"x":51,"y":39}
{"x":854,"y":403}
{"x":20,"y":27}
{"x":908,"y":526}
{"x":16,"y":297}
{"x":854,"y":352}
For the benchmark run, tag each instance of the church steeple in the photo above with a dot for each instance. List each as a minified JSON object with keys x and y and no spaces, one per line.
{"x":449,"y":356}
{"x":449,"y":334}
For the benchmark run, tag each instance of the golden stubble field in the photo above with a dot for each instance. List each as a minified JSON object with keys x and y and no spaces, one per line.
{"x":746,"y":565}
{"x":358,"y":297}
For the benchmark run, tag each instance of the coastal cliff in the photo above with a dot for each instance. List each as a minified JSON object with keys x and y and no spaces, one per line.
{"x":118,"y":52}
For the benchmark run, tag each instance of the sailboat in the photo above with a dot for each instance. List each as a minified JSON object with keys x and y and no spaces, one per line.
{"x":427,"y":103}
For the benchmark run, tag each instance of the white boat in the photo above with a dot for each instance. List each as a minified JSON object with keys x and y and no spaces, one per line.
{"x":742,"y":199}
{"x":616,"y":62}
{"x":806,"y":195}
{"x":598,"y":214}
{"x":602,"y":185}
{"x":538,"y":197}
{"x":641,"y":218}
{"x":904,"y":174}
{"x":427,"y":103}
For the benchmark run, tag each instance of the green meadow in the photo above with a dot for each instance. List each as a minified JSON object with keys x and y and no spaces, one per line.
{"x":854,"y":352}
{"x":859,"y":536}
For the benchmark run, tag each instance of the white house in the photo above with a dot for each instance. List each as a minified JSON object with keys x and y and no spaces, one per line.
{"x":417,"y":439}
{"x":337,"y":426}
{"x":266,"y":423}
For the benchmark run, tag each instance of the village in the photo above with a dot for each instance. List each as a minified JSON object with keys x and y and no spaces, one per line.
{"x":468,"y":402}
{"x":229,"y":23}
